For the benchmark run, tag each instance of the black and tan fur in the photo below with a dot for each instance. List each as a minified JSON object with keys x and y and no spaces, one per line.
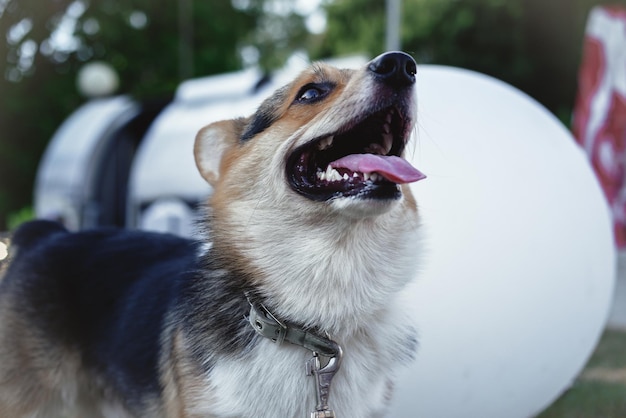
{"x":117,"y":323}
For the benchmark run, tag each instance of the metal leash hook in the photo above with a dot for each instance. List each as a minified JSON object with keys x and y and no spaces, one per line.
{"x":323,"y":378}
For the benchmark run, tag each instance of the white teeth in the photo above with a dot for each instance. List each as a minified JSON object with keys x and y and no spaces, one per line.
{"x":387,"y":124}
{"x":329,"y":172}
{"x":330,"y":175}
{"x":325,"y":143}
{"x":387,"y":143}
{"x":333,"y":175}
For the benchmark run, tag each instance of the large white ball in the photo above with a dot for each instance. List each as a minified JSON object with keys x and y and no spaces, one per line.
{"x":519,"y":264}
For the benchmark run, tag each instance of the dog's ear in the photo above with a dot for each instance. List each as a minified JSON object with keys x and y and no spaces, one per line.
{"x":211,"y":143}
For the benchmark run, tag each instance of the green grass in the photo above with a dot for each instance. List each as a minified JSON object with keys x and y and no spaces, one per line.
{"x":611,"y":351}
{"x":589,"y":399}
{"x":600,"y":391}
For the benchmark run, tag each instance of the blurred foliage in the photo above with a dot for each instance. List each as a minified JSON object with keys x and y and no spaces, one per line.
{"x":534,"y":45}
{"x":46,"y":42}
{"x":17,"y":218}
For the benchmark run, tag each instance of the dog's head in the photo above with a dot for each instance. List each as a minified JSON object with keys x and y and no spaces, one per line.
{"x":332,"y":140}
{"x":310,"y":193}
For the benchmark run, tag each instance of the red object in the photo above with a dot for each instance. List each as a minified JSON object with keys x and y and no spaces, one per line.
{"x":599,"y":123}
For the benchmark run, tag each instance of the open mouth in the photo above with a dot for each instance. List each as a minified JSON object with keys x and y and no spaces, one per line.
{"x":363,"y":160}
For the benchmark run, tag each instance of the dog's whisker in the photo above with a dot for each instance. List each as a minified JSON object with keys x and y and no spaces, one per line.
{"x":256,"y":207}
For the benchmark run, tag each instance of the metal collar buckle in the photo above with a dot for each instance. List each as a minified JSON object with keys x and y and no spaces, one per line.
{"x":268,"y":326}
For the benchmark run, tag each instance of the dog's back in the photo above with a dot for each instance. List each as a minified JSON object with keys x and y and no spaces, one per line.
{"x":83,"y":308}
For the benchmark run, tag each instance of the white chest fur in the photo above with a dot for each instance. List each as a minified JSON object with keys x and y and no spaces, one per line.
{"x":271,"y":380}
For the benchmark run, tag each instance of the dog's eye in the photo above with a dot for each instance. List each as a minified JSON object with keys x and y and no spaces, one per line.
{"x":313,"y":92}
{"x":310,"y":94}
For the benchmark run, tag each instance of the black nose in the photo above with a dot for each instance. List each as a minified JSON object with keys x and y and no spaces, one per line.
{"x":396,"y":69}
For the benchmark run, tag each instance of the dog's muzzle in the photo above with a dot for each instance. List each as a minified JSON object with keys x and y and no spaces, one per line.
{"x":364,"y":158}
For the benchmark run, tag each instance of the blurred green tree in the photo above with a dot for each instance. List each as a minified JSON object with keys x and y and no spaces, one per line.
{"x":152,"y":45}
{"x":534,"y":45}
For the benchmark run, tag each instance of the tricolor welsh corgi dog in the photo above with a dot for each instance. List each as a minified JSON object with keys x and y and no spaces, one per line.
{"x":293,"y":310}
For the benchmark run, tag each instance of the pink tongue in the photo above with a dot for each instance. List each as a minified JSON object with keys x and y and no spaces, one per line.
{"x":395,"y":169}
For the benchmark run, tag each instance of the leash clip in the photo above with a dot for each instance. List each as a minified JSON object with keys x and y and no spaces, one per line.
{"x":268,"y":326}
{"x":323,"y":378}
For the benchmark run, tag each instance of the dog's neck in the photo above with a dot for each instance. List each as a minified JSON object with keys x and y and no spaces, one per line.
{"x":334,"y":276}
